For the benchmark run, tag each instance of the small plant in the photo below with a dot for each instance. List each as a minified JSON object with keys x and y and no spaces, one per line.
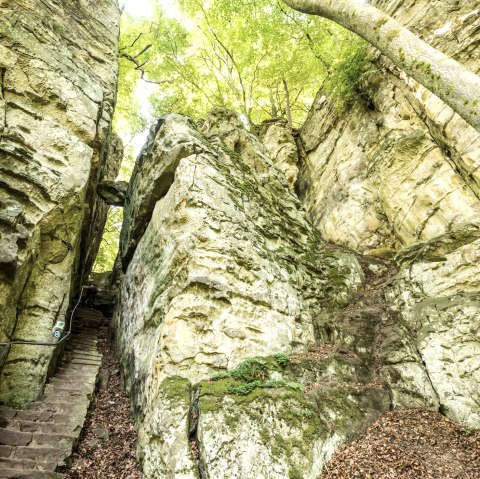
{"x":254,"y":373}
{"x":344,"y":84}
{"x":247,"y":388}
{"x":282,"y":360}
{"x":308,"y":413}
{"x":252,"y":369}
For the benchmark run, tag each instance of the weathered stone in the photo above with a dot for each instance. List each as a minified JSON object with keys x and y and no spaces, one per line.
{"x":399,"y":176}
{"x":222,"y":265}
{"x":403,"y":168}
{"x":436,"y":295}
{"x":58,"y":73}
{"x":112,"y":192}
{"x":280,"y":143}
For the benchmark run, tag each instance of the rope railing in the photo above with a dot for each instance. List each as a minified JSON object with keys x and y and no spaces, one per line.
{"x":8,"y":345}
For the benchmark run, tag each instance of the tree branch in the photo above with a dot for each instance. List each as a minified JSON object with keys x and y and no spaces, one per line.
{"x":457,"y":86}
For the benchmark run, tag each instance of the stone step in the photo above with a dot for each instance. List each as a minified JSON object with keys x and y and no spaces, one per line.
{"x":66,"y":378}
{"x":86,"y":362}
{"x":7,"y":412}
{"x":85,"y":336}
{"x":65,"y":429}
{"x":77,"y":369}
{"x":37,"y":454}
{"x":86,"y":354}
{"x":56,"y":405}
{"x":90,"y":333}
{"x":11,"y":437}
{"x":26,"y":464}
{"x":48,"y":417}
{"x":40,"y":439}
{"x":85,"y":344}
{"x":69,"y":387}
{"x":20,"y":474}
{"x":79,"y":352}
{"x":86,"y":326}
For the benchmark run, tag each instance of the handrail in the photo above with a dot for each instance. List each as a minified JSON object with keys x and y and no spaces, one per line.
{"x":51,"y":344}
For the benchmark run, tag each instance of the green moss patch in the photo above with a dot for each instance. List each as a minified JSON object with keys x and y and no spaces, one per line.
{"x":176,"y":389}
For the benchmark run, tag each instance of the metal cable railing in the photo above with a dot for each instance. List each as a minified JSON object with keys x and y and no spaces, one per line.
{"x":8,"y":345}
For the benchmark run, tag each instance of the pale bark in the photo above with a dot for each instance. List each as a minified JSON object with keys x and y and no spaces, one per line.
{"x":457,"y":86}
{"x":288,"y":110}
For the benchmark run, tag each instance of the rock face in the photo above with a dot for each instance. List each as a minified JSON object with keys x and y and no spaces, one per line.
{"x":400,"y":176}
{"x":436,"y":321}
{"x":113,"y":192}
{"x":58,"y":72}
{"x":221,"y":320}
{"x":404,"y":168}
{"x":280,"y":143}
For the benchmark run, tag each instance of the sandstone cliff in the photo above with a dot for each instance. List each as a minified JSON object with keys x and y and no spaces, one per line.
{"x":252,"y":348}
{"x":58,"y":73}
{"x":226,"y":291}
{"x":398,"y":176}
{"x":276,"y":295}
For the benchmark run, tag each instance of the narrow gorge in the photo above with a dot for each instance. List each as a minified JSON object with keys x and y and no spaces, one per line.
{"x":286,"y":302}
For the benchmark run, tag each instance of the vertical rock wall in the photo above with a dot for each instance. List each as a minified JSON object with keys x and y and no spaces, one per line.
{"x":399,"y":176}
{"x":225,"y":290}
{"x":402,"y":168}
{"x":58,"y":73}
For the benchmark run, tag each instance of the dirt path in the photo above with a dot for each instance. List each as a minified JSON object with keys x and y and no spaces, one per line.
{"x":107,"y":444}
{"x":409,"y":444}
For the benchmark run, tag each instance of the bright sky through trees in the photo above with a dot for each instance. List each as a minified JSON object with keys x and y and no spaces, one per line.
{"x":258,"y":57}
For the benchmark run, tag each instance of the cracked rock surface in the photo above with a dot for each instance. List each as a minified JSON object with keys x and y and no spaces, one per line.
{"x":58,"y":73}
{"x":225,"y":282}
{"x":399,"y":178}
{"x":401,"y":168}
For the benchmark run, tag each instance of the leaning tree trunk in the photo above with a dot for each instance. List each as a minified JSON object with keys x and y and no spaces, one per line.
{"x":288,"y":110}
{"x":457,"y":86}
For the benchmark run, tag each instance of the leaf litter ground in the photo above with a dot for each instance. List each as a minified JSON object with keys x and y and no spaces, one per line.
{"x":107,"y":445}
{"x":409,"y":444}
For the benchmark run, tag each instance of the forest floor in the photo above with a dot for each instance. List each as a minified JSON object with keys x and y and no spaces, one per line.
{"x":409,"y":444}
{"x":107,"y":445}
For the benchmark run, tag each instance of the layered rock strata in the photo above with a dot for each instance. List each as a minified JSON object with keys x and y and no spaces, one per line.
{"x":398,"y":176}
{"x":58,"y":73}
{"x":226,"y":291}
{"x":401,"y":168}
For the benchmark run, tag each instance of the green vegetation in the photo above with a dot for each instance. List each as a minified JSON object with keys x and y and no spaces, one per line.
{"x":246,"y":382}
{"x":110,"y":240}
{"x":255,"y":56}
{"x":176,"y":390}
{"x":282,"y":359}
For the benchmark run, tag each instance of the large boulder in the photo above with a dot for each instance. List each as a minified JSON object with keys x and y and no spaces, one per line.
{"x":398,"y":177}
{"x":400,"y":168}
{"x":225,"y":290}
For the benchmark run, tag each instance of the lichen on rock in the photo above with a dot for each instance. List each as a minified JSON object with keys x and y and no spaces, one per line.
{"x":58,"y":74}
{"x":221,"y":264}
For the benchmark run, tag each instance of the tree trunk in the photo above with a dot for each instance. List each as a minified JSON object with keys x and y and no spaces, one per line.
{"x":288,"y":111}
{"x":457,"y":86}
{"x":273,"y":105}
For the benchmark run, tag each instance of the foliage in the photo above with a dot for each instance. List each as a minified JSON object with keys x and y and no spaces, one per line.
{"x":343,"y":85}
{"x":110,"y":241}
{"x":246,"y":55}
{"x":282,"y":359}
{"x":252,"y":369}
{"x":255,"y":373}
